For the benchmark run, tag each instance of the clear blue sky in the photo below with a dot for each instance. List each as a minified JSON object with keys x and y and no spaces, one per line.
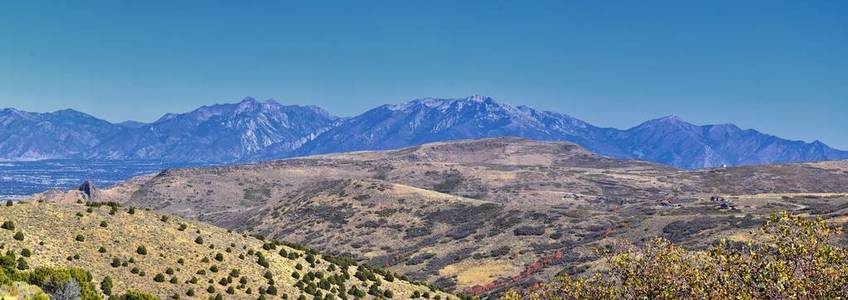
{"x":777,"y":66}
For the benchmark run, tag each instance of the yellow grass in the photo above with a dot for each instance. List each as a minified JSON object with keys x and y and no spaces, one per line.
{"x":479,"y":273}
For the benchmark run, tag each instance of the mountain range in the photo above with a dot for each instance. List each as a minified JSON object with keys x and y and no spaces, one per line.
{"x":253,"y":130}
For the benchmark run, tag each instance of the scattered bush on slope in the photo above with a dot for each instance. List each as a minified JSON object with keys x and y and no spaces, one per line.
{"x":798,"y":260}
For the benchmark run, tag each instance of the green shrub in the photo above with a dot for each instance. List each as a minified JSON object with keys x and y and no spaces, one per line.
{"x":74,"y":280}
{"x":798,"y":260}
{"x":262,"y":261}
{"x":25,"y":252}
{"x":79,"y":238}
{"x":19,"y":236}
{"x":22,"y":264}
{"x":219,"y":257}
{"x":159,"y":277}
{"x":199,"y":240}
{"x":106,"y":285}
{"x":103,"y":224}
{"x":8,"y":225}
{"x":136,"y":295}
{"x":141,"y":250}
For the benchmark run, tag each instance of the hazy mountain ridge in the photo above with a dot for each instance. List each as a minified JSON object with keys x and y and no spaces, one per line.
{"x":251,"y":130}
{"x":223,"y":132}
{"x":60,"y":134}
{"x":667,"y":140}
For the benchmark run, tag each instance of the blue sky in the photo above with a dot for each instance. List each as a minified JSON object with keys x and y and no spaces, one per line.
{"x":777,"y":66}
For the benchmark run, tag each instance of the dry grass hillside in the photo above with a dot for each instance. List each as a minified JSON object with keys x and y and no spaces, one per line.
{"x":484,"y":215}
{"x":172,"y":257}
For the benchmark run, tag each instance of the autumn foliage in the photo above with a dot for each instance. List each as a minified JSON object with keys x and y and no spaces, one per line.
{"x":797,"y":259}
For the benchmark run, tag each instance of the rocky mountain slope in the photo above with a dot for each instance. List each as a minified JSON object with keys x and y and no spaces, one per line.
{"x":60,"y":134}
{"x":256,"y":131}
{"x":174,"y":258}
{"x":431,"y":120}
{"x":668,"y":140}
{"x":219,"y":133}
{"x":673,"y":141}
{"x":482,"y":215}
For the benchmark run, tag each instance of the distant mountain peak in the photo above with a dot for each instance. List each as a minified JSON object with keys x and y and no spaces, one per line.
{"x":669,"y":119}
{"x":479,"y":98}
{"x":670,"y":122}
{"x":13,"y":112}
{"x":72,"y":112}
{"x":443,"y":103}
{"x":165,"y":117}
{"x":248,"y":99}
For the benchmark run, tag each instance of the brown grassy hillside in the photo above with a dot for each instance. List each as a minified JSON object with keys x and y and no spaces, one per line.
{"x":484,"y":215}
{"x":172,"y":256}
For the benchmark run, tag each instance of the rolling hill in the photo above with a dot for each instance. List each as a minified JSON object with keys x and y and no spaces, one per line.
{"x":172,"y":258}
{"x":483,"y":215}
